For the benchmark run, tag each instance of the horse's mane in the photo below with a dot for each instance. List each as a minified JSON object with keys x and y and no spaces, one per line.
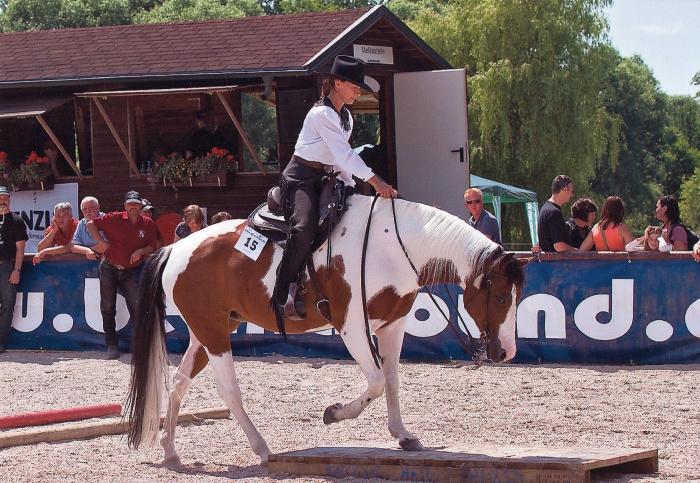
{"x":435,"y":234}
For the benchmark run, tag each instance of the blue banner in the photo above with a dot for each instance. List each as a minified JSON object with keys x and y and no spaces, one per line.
{"x":577,"y":311}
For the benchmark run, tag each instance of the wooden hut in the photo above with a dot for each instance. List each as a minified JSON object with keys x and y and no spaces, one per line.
{"x":114,"y":98}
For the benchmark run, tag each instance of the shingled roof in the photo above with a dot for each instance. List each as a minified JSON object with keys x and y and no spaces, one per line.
{"x":275,"y":44}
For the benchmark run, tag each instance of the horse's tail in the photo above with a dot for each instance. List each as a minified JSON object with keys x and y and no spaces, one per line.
{"x":149,"y":361}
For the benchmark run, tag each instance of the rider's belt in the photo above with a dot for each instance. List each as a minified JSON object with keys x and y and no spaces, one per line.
{"x":312,"y":164}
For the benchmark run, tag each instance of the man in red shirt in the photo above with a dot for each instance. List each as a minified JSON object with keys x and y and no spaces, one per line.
{"x":131,"y":237}
{"x":58,"y":235}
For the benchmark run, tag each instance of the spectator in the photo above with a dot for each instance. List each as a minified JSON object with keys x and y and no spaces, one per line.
{"x":611,"y":234}
{"x":651,"y":241}
{"x":220,"y":216}
{"x":150,"y":212}
{"x":13,"y":237}
{"x":668,"y":213}
{"x":481,"y":219}
{"x":192,"y":220}
{"x":552,"y":231}
{"x":583,"y":213}
{"x":83,"y":243}
{"x":205,"y":136}
{"x":58,"y":236}
{"x":131,"y":237}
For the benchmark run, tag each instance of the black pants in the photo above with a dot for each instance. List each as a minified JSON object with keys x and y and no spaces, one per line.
{"x":301,"y":188}
{"x":8,"y":293}
{"x":111,"y":279}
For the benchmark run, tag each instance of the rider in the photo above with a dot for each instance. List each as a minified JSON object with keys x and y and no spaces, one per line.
{"x":322,"y":147}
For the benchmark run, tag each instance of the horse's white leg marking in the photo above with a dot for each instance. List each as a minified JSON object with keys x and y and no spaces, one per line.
{"x":355,"y":339}
{"x":506,"y":333}
{"x":230,"y":392}
{"x":390,"y":341}
{"x":181,"y":383}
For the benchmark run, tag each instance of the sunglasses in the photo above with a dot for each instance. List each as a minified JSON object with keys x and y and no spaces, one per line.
{"x":473,"y":202}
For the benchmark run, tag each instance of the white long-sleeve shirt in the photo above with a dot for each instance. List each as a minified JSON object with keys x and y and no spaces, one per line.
{"x":323,"y":139}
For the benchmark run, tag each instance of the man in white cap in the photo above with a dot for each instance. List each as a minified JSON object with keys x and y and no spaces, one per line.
{"x":13,"y":238}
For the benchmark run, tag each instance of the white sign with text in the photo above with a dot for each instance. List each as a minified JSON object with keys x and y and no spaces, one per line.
{"x":374,"y":54}
{"x":36,"y":209}
{"x":251,"y":243}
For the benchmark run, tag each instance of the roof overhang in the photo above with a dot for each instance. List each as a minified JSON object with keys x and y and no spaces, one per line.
{"x":159,"y":92}
{"x":17,"y":108}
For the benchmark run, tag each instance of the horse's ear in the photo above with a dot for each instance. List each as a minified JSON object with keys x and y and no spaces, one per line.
{"x":478,"y":280}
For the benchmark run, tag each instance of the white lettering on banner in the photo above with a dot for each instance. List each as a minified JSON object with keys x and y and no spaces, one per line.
{"x":659,"y":330}
{"x":93,"y":315}
{"x":554,"y":316}
{"x":422,"y":322}
{"x":692,"y":318}
{"x":35,"y":312}
{"x":620,"y":306}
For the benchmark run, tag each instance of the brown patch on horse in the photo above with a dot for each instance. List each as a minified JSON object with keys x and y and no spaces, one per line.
{"x":438,"y":270}
{"x":388,"y":306}
{"x":220,"y":281}
{"x":200,"y":362}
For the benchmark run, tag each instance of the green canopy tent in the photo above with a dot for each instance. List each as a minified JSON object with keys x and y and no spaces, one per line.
{"x":498,"y":193}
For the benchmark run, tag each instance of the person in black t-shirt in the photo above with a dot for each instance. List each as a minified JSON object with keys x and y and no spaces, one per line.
{"x":583,"y":213}
{"x":552,"y":231}
{"x":13,"y":237}
{"x":206,"y":136}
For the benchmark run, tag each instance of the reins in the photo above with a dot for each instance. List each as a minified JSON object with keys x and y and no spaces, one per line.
{"x":475,"y":346}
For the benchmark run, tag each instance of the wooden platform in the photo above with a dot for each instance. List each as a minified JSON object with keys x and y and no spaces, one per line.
{"x":466,"y":463}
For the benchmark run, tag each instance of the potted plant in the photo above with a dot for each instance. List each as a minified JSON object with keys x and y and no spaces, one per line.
{"x":33,"y":174}
{"x":211,"y":169}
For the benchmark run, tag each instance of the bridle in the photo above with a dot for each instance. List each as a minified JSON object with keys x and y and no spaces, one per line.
{"x":477,"y":346}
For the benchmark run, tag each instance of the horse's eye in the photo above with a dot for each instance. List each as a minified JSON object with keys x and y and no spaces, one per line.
{"x":500,"y":299}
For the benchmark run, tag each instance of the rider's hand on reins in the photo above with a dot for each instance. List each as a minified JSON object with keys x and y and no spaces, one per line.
{"x":383,"y":189}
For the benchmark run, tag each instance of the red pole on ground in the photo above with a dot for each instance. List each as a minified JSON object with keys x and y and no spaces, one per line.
{"x":58,"y":415}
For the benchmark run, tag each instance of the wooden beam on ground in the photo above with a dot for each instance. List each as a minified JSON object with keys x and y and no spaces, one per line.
{"x":63,"y":415}
{"x":239,"y":127}
{"x":60,"y":147}
{"x":92,"y":430}
{"x":115,"y":134}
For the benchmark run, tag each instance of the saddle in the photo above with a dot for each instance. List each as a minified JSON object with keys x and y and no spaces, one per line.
{"x":268,"y":219}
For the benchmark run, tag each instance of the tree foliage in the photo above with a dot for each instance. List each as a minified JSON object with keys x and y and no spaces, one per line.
{"x":19,"y":15}
{"x":192,"y":10}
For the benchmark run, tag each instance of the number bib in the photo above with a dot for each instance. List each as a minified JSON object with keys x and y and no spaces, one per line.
{"x":251,"y":243}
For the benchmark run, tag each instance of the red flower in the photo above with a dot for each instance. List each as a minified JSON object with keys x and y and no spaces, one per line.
{"x":34,"y":158}
{"x":229,"y":157}
{"x":218,"y":152}
{"x":3,"y":159}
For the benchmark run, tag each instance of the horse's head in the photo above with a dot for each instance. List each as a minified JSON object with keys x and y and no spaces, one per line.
{"x":490,"y":298}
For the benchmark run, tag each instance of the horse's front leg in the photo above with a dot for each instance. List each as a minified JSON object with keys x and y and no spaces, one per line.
{"x":356,"y":342}
{"x":390,"y":341}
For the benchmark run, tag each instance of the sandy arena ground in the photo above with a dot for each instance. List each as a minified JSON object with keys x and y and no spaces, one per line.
{"x":443,"y":404}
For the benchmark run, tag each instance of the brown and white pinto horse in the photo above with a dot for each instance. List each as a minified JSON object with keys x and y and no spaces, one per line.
{"x":216,"y":287}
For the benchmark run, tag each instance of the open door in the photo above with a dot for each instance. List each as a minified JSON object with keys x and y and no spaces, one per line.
{"x":431,"y":138}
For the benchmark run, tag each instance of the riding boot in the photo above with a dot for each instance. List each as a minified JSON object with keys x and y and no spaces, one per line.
{"x":294,"y":308}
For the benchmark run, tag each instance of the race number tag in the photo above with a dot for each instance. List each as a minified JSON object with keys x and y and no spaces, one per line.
{"x":251,"y":243}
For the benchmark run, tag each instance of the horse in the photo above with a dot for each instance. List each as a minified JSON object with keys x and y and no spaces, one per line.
{"x":216,"y":287}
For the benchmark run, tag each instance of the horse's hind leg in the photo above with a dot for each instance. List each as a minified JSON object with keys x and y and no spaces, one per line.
{"x":356,"y":342}
{"x":390,"y":340}
{"x":193,"y":361}
{"x":230,"y":392}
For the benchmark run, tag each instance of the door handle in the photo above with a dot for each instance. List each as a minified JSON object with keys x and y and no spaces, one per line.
{"x":461,"y":154}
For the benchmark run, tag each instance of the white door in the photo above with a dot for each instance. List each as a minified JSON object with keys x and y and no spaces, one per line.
{"x":431,"y":138}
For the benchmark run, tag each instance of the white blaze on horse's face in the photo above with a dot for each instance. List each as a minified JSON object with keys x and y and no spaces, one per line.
{"x":506,"y":333}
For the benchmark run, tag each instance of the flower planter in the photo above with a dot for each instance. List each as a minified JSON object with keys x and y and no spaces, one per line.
{"x":43,"y":185}
{"x":218,"y":179}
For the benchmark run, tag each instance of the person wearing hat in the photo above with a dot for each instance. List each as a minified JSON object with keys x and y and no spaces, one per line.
{"x":322,"y":147}
{"x":13,"y":238}
{"x":131,"y":237}
{"x":149,"y":212}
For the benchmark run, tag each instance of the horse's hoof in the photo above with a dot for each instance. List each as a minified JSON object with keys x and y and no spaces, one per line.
{"x":171,"y":461}
{"x":329,"y":414}
{"x":411,"y":444}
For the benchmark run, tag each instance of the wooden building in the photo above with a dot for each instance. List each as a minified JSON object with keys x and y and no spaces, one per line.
{"x":113,"y":97}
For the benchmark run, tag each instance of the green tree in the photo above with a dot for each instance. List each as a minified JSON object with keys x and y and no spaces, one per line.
{"x":684,"y":116}
{"x":19,"y":15}
{"x":301,"y":6}
{"x":536,"y":70}
{"x":690,"y":198}
{"x":190,"y":10}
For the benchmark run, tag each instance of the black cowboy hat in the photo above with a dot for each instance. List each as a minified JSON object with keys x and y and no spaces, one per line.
{"x":352,"y":70}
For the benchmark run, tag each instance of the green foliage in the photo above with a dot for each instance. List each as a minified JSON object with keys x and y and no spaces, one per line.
{"x":684,"y":116}
{"x":192,"y":10}
{"x":690,"y":200}
{"x":260,"y":124}
{"x":176,"y":169}
{"x":22,"y":15}
{"x":301,"y":6}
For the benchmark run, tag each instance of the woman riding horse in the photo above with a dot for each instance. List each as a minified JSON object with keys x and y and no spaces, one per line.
{"x":322,"y":147}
